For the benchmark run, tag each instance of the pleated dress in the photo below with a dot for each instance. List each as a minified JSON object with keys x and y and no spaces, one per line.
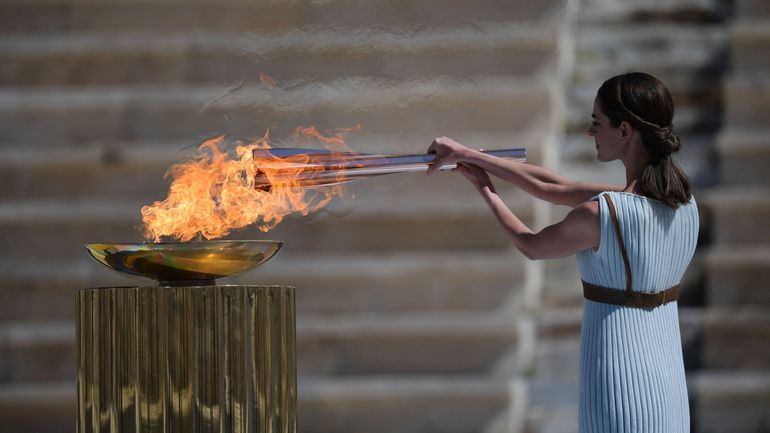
{"x":631,"y":368}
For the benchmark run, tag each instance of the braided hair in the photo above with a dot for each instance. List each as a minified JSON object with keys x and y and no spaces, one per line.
{"x":644,"y":102}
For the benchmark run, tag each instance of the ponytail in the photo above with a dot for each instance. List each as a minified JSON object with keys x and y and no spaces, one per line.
{"x":664,"y":180}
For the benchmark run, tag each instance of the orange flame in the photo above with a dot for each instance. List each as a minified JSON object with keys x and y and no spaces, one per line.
{"x":267,"y":80}
{"x":214,"y":193}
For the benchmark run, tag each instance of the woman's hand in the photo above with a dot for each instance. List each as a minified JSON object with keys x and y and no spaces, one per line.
{"x":447,"y":152}
{"x":478,"y":177}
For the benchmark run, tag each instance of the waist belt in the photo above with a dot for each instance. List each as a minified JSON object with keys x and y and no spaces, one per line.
{"x":628,"y":297}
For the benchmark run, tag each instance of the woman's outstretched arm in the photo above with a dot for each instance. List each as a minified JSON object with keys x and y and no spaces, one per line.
{"x":577,"y":232}
{"x":542,"y":183}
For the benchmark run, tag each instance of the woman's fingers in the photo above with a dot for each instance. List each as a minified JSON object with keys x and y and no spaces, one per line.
{"x":439,"y":149}
{"x":447,"y":151}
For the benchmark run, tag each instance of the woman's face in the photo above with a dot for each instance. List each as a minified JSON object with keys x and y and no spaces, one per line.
{"x":606,"y":137}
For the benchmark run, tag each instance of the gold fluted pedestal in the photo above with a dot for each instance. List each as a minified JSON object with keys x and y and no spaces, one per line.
{"x":186,"y":359}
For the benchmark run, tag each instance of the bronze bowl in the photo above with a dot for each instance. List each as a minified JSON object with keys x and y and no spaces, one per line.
{"x":184,"y":263}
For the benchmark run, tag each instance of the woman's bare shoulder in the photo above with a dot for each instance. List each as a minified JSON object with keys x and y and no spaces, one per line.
{"x":585,"y":214}
{"x":589,"y":208}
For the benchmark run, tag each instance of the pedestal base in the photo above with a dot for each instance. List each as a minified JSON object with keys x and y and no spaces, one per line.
{"x":186,"y":359}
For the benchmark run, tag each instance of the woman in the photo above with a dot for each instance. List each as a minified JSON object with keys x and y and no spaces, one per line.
{"x":633,"y":243}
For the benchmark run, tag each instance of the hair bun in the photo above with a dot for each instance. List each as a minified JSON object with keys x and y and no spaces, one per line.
{"x":668,"y":140}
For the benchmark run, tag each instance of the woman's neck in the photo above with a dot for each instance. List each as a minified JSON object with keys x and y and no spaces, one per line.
{"x":635,"y":161}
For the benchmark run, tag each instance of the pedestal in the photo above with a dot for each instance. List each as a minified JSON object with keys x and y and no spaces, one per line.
{"x":186,"y":359}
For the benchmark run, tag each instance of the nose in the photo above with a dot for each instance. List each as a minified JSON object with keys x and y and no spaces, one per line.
{"x":591,"y":131}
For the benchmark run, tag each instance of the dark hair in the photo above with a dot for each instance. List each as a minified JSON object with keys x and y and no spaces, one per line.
{"x":643,"y":101}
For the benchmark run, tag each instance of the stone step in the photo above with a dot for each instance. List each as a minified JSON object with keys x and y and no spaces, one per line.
{"x":682,"y":11}
{"x":407,"y":405}
{"x":558,"y":363}
{"x":326,"y":284}
{"x":559,"y":333}
{"x":37,"y":352}
{"x":135,"y":170}
{"x":552,"y":406}
{"x":731,"y":401}
{"x":408,"y":344}
{"x":578,"y":160}
{"x":750,"y":45}
{"x":351,"y":405}
{"x":687,"y":57}
{"x":561,"y":287}
{"x":57,"y":229}
{"x":747,"y":101}
{"x":738,"y":275}
{"x":561,"y":284}
{"x":688,"y":120}
{"x":739,"y":215}
{"x":751,"y":9}
{"x":39,"y":408}
{"x":354,"y":345}
{"x":240,"y":15}
{"x":559,"y":324}
{"x":186,"y":113}
{"x":736,"y":338}
{"x":326,"y":54}
{"x":744,"y":157}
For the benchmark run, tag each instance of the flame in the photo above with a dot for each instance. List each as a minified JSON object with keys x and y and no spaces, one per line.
{"x":214,"y":193}
{"x":267,"y":80}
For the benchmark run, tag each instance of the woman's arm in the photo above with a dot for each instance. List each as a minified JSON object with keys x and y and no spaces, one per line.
{"x":538,"y":181}
{"x":578,"y":231}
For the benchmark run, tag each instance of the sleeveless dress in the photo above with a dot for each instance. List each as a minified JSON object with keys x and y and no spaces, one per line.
{"x":631,"y":368}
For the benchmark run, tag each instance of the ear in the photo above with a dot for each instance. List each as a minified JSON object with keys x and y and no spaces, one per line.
{"x":626,"y":131}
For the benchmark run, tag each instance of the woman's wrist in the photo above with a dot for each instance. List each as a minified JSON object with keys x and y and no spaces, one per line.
{"x":473,"y":156}
{"x":466,"y":154}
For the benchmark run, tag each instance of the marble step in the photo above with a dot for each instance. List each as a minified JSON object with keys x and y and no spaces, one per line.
{"x":429,"y":404}
{"x":408,"y":405}
{"x":747,"y":101}
{"x":187,"y":113}
{"x":553,"y":382}
{"x":558,"y":331}
{"x":750,"y":45}
{"x":57,"y":229}
{"x":325,"y":54}
{"x":408,"y":344}
{"x":736,"y":338}
{"x":751,"y":9}
{"x":325,"y":284}
{"x":739,"y":215}
{"x":687,"y":57}
{"x":357,"y":344}
{"x":578,"y":159}
{"x":599,"y":12}
{"x":561,"y":284}
{"x":553,"y":406}
{"x":688,"y":119}
{"x":738,"y":275}
{"x":731,"y":401}
{"x":135,"y":170}
{"x":241,"y":15}
{"x":39,"y":408}
{"x":744,"y":156}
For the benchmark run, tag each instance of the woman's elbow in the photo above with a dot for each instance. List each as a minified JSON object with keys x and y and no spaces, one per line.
{"x":528,"y":248}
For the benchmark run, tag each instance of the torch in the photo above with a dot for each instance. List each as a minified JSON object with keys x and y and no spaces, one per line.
{"x":320,"y":167}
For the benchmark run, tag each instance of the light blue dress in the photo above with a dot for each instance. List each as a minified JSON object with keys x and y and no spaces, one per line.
{"x":631,"y":369}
